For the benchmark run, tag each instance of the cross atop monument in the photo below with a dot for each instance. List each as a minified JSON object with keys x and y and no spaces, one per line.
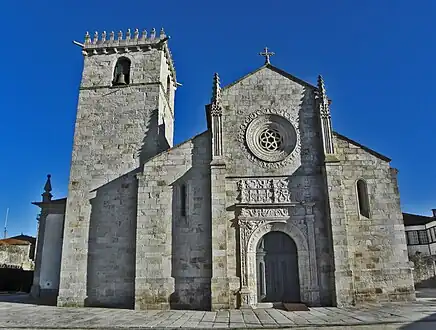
{"x":266,"y":53}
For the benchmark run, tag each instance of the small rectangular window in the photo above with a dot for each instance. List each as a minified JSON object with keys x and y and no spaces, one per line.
{"x":183,"y":200}
{"x":412,"y":237}
{"x":433,"y":234}
{"x":423,"y":237}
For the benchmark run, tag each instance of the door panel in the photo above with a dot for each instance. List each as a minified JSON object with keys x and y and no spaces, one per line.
{"x":277,"y":269}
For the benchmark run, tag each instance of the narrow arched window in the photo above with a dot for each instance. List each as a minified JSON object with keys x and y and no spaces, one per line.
{"x":168,"y":86}
{"x":363,"y":198}
{"x":122,"y":72}
{"x":183,"y":200}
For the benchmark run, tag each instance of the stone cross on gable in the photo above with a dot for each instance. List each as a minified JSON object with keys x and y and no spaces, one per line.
{"x":266,"y":53}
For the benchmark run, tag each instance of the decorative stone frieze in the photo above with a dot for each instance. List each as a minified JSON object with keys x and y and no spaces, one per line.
{"x":264,"y":212}
{"x":270,"y":138}
{"x":264,"y":191}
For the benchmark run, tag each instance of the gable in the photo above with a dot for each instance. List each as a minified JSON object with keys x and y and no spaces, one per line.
{"x":265,"y":98}
{"x":274,"y":69}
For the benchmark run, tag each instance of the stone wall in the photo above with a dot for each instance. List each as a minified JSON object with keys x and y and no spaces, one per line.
{"x":421,"y":248}
{"x":376,"y":244}
{"x":424,"y":270}
{"x":15,"y":256}
{"x":263,"y":92}
{"x":111,"y":246}
{"x":173,"y":248}
{"x":117,"y":129}
{"x":51,"y":254}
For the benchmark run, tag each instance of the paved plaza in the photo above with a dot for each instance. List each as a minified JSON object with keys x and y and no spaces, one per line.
{"x":18,"y":312}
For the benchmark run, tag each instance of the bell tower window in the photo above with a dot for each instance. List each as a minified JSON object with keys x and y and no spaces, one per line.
{"x":122,"y":72}
{"x":362,"y":197}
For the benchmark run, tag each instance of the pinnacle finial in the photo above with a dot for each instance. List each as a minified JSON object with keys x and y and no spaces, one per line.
{"x":144,"y":34}
{"x":46,"y":195}
{"x":47,"y":186}
{"x":267,"y":54}
{"x":322,"y":90}
{"x":321,"y":83}
{"x":216,"y":91}
{"x":162,"y":34}
{"x":95,"y":38}
{"x":87,"y":38}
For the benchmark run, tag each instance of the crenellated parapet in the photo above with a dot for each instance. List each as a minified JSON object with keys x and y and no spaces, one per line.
{"x":118,"y":43}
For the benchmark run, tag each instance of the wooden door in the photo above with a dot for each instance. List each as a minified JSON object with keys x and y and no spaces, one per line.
{"x":277,"y":269}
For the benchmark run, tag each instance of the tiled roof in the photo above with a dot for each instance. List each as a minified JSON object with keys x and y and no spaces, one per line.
{"x":416,"y":220}
{"x":13,"y":241}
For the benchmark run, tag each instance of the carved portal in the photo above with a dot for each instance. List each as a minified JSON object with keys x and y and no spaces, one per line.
{"x":265,"y":205}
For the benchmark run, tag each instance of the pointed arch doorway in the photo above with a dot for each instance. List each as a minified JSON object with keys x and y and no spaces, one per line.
{"x":277,"y":269}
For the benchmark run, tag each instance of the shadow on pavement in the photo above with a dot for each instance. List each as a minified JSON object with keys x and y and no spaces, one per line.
{"x":24,"y":298}
{"x":425,"y":323}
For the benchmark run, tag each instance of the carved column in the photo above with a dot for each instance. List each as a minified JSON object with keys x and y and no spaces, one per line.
{"x":217,"y":135}
{"x":310,"y":223}
{"x":246,"y":228}
{"x":216,"y":111}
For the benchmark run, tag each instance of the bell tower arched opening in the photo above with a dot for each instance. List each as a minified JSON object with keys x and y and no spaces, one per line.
{"x":122,"y":72}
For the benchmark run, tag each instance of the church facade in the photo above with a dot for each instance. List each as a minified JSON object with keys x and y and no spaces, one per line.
{"x":268,"y":205}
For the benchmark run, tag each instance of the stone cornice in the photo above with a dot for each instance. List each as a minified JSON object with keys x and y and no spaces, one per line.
{"x":120,"y":86}
{"x":52,"y":207}
{"x":267,"y":205}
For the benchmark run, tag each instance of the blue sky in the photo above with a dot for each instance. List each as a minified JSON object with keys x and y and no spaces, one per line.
{"x":377,"y":58}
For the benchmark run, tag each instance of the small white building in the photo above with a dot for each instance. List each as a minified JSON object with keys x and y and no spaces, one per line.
{"x":421,"y":246}
{"x":420,"y":233}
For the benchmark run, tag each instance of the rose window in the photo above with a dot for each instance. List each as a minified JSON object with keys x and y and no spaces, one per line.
{"x":270,"y":139}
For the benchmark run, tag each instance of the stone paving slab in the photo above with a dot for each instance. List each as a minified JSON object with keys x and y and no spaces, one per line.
{"x":410,"y":316}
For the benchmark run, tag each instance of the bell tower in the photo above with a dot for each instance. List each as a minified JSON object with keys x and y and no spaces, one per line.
{"x":125,"y":116}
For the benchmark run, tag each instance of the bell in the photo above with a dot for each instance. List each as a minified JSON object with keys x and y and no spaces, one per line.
{"x":120,"y":79}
